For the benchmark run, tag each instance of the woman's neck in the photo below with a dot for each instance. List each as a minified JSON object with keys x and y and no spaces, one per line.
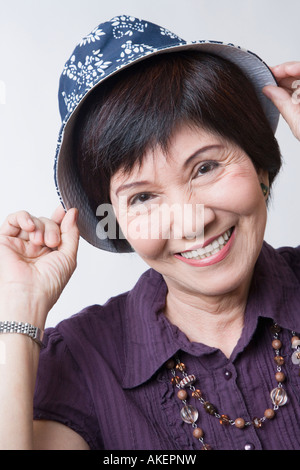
{"x":215,"y":321}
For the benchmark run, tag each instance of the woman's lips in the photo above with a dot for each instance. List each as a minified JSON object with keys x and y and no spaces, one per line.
{"x":214,"y":257}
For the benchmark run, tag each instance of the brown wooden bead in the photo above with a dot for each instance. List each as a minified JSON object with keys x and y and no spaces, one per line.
{"x":182,"y":394}
{"x":197,"y":393}
{"x":280,"y":376}
{"x":275,"y":328}
{"x":269,"y":413}
{"x":276,"y":343}
{"x":239,"y":423}
{"x":279,"y":360}
{"x":170,"y":364}
{"x":198,"y":433}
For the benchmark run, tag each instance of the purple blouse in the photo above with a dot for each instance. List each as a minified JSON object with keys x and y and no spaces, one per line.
{"x":103,"y":371}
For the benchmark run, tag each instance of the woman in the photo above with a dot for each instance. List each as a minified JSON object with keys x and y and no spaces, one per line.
{"x":182,"y":146}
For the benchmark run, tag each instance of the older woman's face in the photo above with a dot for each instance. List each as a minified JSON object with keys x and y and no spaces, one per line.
{"x":197,"y":215}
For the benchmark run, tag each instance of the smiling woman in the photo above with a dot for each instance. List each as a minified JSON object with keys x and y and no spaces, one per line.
{"x":162,"y":134}
{"x":162,"y":94}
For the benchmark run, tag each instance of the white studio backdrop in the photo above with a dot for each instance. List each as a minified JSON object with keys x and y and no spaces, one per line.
{"x":38,"y":36}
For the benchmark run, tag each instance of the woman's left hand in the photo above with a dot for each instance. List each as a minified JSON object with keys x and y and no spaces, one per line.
{"x":286,"y":96}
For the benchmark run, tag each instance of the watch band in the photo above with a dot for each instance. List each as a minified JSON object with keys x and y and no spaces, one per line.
{"x":23,"y":328}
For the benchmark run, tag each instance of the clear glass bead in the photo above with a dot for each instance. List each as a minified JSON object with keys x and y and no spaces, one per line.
{"x":189,"y":414}
{"x":278,"y":396}
{"x":296,"y":357}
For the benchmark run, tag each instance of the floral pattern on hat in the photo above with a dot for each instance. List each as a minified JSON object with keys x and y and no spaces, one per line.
{"x":106,"y":49}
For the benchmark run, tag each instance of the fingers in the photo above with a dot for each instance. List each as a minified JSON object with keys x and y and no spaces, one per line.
{"x":41,"y":231}
{"x":288,"y":77}
{"x":287,"y":69}
{"x":69,"y":234}
{"x":60,"y":228}
{"x":58,"y":214}
{"x":278,"y":95}
{"x":16,"y":223}
{"x":285,"y":103}
{"x":47,"y":233}
{"x":286,"y":96}
{"x":281,"y":98}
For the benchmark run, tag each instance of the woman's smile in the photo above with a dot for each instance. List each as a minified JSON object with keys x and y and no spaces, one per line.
{"x":210,"y":252}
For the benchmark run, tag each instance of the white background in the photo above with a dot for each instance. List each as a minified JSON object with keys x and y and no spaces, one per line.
{"x":36,"y":39}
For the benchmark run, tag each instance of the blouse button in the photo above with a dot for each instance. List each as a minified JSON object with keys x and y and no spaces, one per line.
{"x":227,"y":374}
{"x":249,"y":446}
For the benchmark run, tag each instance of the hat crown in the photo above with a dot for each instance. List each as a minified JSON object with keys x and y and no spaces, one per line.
{"x":109,"y":47}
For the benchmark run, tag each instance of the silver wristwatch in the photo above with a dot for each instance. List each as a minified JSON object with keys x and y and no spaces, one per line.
{"x":23,"y":328}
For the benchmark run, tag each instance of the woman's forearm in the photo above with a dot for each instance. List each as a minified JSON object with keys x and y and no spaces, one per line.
{"x":18,"y":368}
{"x":19,"y":357}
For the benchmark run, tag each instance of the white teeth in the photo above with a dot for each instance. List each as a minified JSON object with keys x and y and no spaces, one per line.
{"x":210,"y":249}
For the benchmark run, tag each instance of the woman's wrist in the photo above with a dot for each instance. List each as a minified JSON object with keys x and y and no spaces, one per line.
{"x":23,"y":308}
{"x":13,"y":327}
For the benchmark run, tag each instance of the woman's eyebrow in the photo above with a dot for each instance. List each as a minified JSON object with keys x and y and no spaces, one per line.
{"x":200,"y":151}
{"x":130,"y":185}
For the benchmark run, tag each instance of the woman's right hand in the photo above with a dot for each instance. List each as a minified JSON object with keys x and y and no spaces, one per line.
{"x":37,"y":259}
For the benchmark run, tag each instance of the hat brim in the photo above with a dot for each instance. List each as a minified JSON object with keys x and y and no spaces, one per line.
{"x":67,"y":182}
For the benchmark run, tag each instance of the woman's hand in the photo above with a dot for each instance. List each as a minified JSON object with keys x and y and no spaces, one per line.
{"x":286,"y":96}
{"x":37,"y":259}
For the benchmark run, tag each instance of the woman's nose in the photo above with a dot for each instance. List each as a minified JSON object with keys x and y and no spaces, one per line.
{"x":189,"y":221}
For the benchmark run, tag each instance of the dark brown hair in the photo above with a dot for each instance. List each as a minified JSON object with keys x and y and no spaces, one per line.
{"x":141,"y":107}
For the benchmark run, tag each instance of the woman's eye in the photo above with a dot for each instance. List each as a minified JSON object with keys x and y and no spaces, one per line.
{"x":140,"y":198}
{"x":206,"y":167}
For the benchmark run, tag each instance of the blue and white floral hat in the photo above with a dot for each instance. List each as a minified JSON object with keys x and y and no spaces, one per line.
{"x":110,"y":47}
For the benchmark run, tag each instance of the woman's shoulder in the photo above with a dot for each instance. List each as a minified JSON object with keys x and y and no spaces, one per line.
{"x":289,"y":254}
{"x":109,"y":319}
{"x":282,"y":261}
{"x":91,"y":321}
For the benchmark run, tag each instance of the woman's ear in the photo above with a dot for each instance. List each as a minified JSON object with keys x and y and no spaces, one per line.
{"x":263,"y":177}
{"x":265,"y":189}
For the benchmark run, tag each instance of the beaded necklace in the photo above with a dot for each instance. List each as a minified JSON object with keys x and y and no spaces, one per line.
{"x":189,"y":414}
